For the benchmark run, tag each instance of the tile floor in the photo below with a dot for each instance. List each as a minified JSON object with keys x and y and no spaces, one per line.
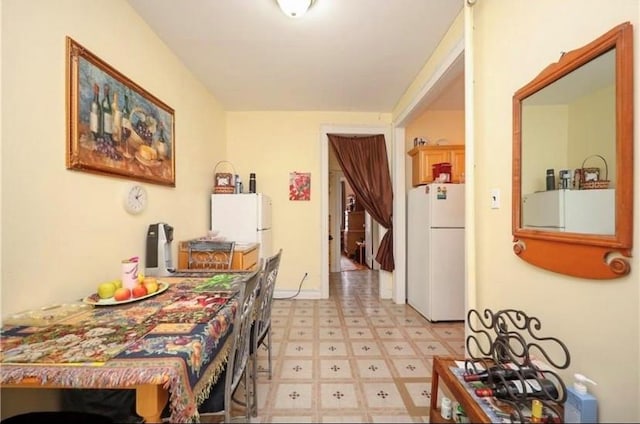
{"x":351,"y":358}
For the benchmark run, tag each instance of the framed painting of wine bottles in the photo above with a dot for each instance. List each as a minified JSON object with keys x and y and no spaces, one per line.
{"x":114,"y":126}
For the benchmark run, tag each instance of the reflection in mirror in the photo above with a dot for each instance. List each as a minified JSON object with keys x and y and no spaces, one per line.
{"x":567,"y":127}
{"x":573,"y":161}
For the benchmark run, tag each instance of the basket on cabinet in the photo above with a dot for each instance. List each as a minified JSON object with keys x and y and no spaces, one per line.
{"x":223,"y":182}
{"x":590,"y":176}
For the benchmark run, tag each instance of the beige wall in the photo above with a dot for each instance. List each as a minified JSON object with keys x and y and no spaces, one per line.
{"x":69,"y":227}
{"x":563,"y":136}
{"x":598,"y":320}
{"x":273,"y":144}
{"x":437,"y":127}
{"x":65,"y":231}
{"x":431,"y":67}
{"x":545,"y":144}
{"x":443,"y":126}
{"x":598,"y":137}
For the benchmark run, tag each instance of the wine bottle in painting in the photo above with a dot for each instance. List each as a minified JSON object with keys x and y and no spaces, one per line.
{"x":117,"y":117}
{"x":95,"y":114}
{"x":125,"y":126}
{"x":161,"y":143}
{"x":107,"y":115}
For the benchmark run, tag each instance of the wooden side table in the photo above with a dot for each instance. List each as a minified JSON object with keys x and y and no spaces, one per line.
{"x":441,"y":370}
{"x":475,"y":413}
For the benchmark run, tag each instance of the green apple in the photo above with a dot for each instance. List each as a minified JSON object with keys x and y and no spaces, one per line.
{"x":106,"y":290}
{"x":117,"y":283}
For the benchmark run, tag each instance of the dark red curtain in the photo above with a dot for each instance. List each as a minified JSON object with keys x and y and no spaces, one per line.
{"x":364,"y":162}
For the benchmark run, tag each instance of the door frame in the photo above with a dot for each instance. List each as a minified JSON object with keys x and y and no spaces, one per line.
{"x":417,"y":106}
{"x":384,"y":280}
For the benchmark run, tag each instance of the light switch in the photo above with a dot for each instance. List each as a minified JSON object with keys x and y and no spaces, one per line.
{"x":495,"y":198}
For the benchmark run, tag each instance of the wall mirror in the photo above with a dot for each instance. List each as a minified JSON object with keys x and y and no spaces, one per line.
{"x":573,"y":161}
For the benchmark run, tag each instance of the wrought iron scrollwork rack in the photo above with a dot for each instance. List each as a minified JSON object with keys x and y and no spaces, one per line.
{"x":509,"y":339}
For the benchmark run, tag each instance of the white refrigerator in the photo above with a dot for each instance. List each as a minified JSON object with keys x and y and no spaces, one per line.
{"x":435,"y":251}
{"x":573,"y":211}
{"x":243,"y":218}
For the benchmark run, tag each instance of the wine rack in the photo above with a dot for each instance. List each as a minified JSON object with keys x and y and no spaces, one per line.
{"x":510,"y":339}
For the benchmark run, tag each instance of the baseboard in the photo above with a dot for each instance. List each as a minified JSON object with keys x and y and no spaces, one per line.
{"x":304,"y":294}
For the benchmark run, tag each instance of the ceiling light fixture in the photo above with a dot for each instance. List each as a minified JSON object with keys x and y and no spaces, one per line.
{"x":295,"y":8}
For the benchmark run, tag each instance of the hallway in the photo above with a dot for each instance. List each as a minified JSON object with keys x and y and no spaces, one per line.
{"x":347,"y":264}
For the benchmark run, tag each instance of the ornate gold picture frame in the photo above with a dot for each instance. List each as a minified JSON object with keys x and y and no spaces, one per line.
{"x":114,"y":126}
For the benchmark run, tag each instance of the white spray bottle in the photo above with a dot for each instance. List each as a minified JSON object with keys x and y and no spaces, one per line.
{"x":580,"y":406}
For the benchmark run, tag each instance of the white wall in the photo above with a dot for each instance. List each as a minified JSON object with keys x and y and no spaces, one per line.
{"x":598,"y":320}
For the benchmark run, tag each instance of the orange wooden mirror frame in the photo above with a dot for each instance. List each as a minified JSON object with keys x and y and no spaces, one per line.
{"x":591,"y":256}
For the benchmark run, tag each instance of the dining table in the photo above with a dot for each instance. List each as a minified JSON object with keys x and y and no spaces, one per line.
{"x":170,"y":346}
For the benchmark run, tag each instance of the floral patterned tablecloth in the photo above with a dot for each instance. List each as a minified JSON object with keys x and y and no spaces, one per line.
{"x":177,"y":339}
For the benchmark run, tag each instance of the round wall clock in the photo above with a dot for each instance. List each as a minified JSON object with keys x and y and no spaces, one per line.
{"x":135,"y":199}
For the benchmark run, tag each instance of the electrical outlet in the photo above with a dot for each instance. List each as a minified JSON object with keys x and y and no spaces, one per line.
{"x":495,"y":198}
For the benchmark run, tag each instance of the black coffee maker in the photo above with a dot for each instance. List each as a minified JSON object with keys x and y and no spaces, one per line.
{"x":158,"y":262}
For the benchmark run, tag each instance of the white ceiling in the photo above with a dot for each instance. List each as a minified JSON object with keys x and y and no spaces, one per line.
{"x":343,"y":55}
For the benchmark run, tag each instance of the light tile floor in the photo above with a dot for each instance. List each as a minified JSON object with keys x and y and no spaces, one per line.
{"x":351,"y":358}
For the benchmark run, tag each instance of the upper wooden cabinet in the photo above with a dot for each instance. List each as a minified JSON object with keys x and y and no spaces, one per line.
{"x":423,"y":157}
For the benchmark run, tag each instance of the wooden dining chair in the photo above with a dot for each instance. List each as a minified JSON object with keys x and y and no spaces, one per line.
{"x":261,"y":333}
{"x":222,"y":393}
{"x":205,"y":254}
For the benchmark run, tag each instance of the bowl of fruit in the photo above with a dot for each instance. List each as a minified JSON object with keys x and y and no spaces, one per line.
{"x":113,"y":293}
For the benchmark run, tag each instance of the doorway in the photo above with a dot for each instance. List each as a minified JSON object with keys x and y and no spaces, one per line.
{"x":358,"y":230}
{"x":332,"y":204}
{"x":393,"y":285}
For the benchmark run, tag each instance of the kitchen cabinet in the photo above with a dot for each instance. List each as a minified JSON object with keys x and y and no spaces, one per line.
{"x":424,"y":157}
{"x":245,"y":256}
{"x":353,"y":230}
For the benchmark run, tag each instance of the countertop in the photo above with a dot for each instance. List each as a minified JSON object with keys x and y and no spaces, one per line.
{"x":245,"y":247}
